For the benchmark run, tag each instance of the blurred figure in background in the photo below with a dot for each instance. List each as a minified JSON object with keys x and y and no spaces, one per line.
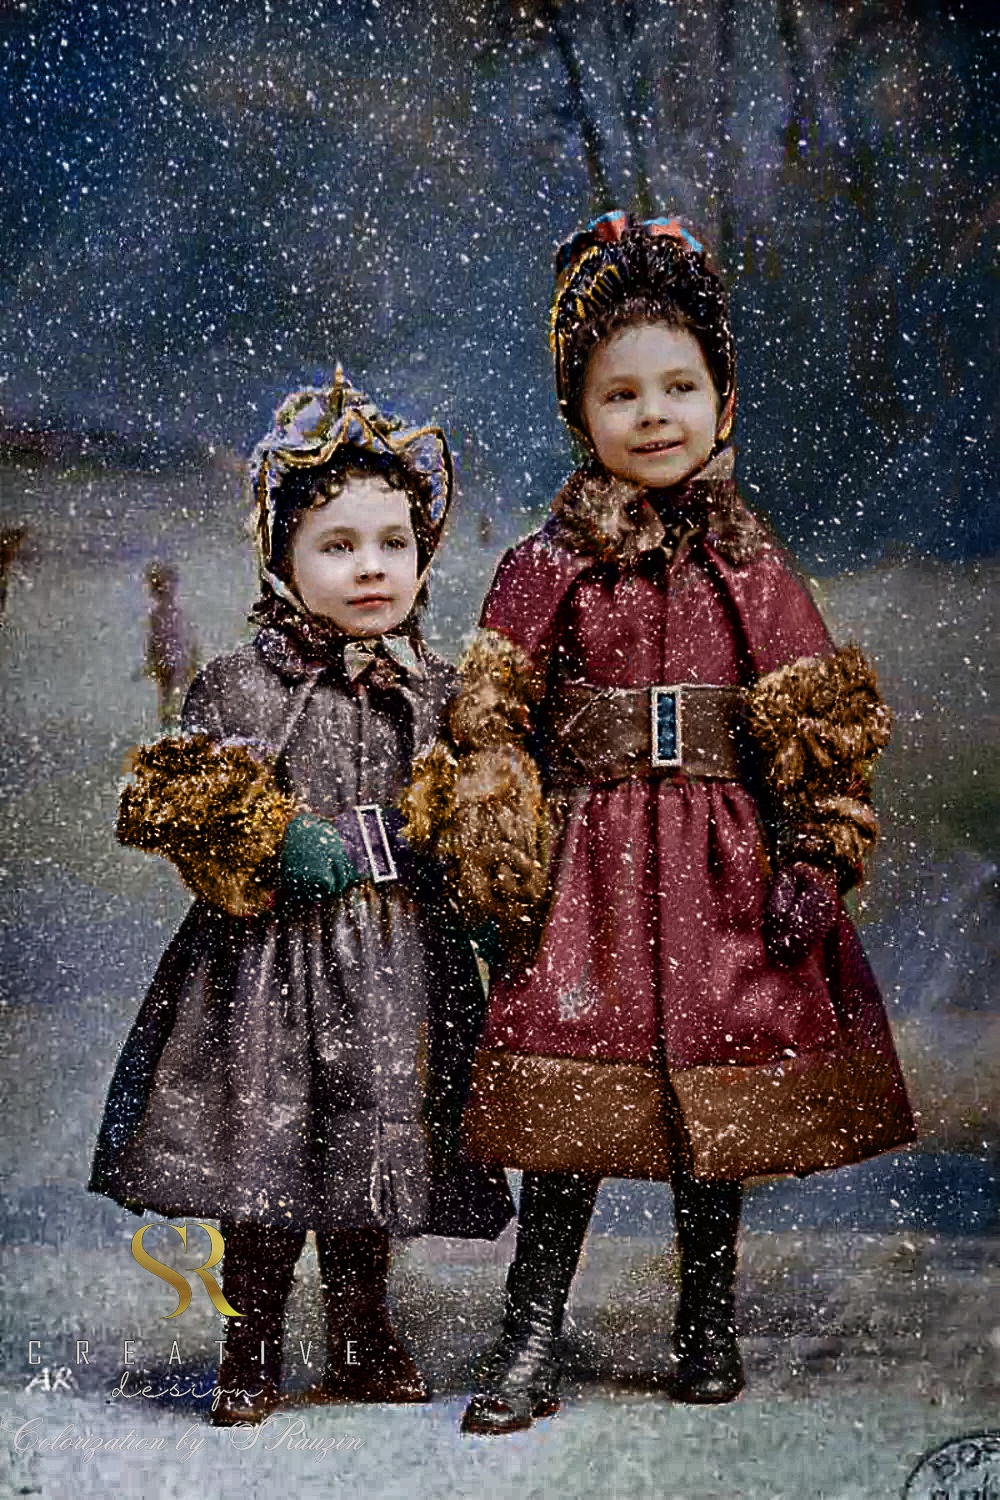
{"x":171,"y":649}
{"x":11,"y":541}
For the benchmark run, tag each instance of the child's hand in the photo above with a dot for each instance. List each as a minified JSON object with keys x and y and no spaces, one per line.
{"x":801,"y":909}
{"x":313,"y":863}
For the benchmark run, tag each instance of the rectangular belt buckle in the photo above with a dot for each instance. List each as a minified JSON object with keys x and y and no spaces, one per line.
{"x":665,"y":737}
{"x":380,"y":860}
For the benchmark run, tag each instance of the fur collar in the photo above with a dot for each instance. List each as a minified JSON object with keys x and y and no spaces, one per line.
{"x":606,"y":518}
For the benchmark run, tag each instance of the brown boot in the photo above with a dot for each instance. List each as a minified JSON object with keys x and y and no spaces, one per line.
{"x":365,"y":1359}
{"x":256,"y":1278}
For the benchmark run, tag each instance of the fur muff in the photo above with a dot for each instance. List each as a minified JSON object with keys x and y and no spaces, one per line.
{"x":498,"y":814}
{"x":819,"y":724}
{"x":476,"y":798}
{"x":215,"y":811}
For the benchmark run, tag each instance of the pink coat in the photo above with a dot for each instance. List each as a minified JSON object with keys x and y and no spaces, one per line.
{"x":651,"y":1021}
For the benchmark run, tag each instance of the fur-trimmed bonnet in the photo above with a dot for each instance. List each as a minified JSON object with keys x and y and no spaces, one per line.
{"x":616,"y":261}
{"x":313,"y":427}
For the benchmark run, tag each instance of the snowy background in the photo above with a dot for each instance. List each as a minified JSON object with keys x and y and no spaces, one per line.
{"x":203,"y":206}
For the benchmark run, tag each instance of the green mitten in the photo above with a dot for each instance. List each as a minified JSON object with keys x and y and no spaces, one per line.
{"x":313,"y":864}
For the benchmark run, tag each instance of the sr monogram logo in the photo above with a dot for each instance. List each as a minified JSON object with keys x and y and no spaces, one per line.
{"x":177,"y":1279}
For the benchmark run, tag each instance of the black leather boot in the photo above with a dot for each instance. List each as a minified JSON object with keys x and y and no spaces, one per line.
{"x":366,"y":1361}
{"x":257,"y":1275}
{"x":520,"y":1375}
{"x":709,"y":1369}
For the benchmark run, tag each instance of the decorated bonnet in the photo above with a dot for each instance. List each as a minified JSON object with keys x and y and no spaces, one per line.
{"x":327,"y":428}
{"x":618,"y":270}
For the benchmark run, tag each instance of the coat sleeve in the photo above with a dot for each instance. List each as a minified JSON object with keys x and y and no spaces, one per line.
{"x":819,"y":723}
{"x":202,"y":713}
{"x":210,"y":805}
{"x":476,"y":797}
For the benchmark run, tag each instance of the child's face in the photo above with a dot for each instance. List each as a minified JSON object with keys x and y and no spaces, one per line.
{"x":354,"y":558}
{"x":649,"y":404}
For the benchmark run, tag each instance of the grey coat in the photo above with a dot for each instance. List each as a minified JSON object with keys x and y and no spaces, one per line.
{"x":308,"y":1067}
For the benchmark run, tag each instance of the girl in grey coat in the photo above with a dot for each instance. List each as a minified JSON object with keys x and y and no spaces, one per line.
{"x":302,"y":1057}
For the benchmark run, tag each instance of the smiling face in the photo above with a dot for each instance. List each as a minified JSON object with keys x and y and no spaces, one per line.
{"x":354,"y":558}
{"x":649,"y":404}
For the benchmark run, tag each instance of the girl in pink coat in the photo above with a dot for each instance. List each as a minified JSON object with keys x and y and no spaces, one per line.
{"x":653,"y":793}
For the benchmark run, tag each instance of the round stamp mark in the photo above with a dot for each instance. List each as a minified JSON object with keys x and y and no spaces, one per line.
{"x":965,"y":1468}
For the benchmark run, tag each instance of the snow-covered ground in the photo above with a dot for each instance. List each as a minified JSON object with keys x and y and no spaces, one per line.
{"x":863,"y":1351}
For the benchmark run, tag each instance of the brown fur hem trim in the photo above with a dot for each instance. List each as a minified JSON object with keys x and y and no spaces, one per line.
{"x":798,"y":1117}
{"x":216,"y":811}
{"x":566,"y":1114}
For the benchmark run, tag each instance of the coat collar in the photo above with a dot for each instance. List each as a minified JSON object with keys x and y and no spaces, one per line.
{"x":298,"y":644}
{"x":603,"y":517}
{"x":282,"y":651}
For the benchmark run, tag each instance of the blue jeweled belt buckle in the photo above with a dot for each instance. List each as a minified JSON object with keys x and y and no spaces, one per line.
{"x":376,"y":841}
{"x":667,"y":746}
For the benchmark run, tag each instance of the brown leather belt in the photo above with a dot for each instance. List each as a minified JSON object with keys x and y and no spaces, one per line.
{"x":608,"y":734}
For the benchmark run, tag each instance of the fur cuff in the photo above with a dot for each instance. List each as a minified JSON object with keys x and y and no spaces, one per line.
{"x":498,"y":809}
{"x":476,"y":797}
{"x":471,"y":811}
{"x":819,"y":724}
{"x":500,"y":686}
{"x":215,"y":811}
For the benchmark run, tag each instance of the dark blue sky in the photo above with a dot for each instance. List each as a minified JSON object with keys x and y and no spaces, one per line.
{"x":202,"y":207}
